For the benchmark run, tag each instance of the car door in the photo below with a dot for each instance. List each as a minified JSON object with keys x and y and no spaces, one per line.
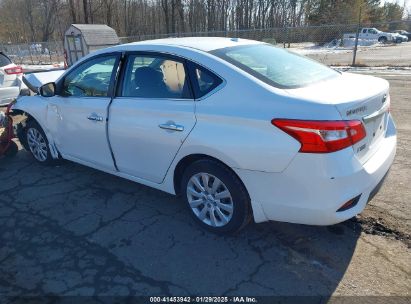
{"x":372,"y":34}
{"x":151,"y":116}
{"x":77,"y":116}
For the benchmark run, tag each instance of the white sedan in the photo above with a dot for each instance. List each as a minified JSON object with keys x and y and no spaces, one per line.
{"x":10,"y":80}
{"x":239,"y":128}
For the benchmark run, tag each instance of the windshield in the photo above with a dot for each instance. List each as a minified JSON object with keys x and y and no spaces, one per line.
{"x":276,"y":66}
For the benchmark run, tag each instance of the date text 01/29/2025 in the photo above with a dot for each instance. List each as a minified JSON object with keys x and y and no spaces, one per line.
{"x":237,"y":299}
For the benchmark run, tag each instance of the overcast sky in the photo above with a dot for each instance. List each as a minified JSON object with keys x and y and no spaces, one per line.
{"x":400,"y":2}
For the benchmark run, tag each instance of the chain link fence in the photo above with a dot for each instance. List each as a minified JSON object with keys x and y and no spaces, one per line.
{"x":333,"y":45}
{"x":35,"y":53}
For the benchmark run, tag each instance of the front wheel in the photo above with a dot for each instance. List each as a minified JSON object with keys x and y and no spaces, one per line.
{"x":37,"y":143}
{"x":382,"y":39}
{"x":216,"y":197}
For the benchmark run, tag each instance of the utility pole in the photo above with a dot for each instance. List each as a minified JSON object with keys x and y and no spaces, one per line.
{"x":125,"y":18}
{"x":356,"y":36}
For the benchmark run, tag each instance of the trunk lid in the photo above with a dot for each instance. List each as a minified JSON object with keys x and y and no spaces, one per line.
{"x":356,"y":97}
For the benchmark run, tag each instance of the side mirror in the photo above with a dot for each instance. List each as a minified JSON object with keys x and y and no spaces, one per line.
{"x":48,"y":89}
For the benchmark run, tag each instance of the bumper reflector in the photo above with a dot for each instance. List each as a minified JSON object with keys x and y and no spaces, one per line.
{"x":351,"y":203}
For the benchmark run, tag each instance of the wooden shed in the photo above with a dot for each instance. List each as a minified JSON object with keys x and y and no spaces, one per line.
{"x":81,"y":39}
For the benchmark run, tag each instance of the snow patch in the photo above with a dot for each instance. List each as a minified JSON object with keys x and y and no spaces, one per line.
{"x":350,"y":42}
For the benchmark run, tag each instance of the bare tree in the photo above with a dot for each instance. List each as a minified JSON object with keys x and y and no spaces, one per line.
{"x":72,"y":11}
{"x":35,"y":20}
{"x":85,"y":11}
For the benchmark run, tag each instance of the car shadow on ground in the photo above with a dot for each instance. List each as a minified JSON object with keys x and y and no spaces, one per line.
{"x":72,"y":230}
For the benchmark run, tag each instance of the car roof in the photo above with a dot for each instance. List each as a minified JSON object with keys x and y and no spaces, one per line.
{"x":206,"y":44}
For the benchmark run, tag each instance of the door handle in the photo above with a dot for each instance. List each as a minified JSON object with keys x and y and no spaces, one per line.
{"x":172,"y":127}
{"x":95,"y":117}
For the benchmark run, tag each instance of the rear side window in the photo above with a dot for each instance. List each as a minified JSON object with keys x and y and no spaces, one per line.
{"x":4,"y":60}
{"x":204,"y":81}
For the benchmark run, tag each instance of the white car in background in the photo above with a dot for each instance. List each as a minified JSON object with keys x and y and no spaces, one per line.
{"x":371,"y":33}
{"x":398,"y":38}
{"x":10,"y":80}
{"x":239,"y":128}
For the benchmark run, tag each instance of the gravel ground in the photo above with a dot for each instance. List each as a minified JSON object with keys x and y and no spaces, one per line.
{"x":390,"y":210}
{"x":72,"y":230}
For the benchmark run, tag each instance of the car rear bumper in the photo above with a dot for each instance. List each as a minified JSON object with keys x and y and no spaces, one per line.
{"x":7,"y":94}
{"x":314,"y":186}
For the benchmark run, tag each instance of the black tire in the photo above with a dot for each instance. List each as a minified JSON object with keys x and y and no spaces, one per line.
{"x":32,"y":124}
{"x":11,"y":150}
{"x":382,"y":39}
{"x":241,"y":214}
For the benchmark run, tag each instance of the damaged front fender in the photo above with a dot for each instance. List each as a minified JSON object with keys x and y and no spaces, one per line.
{"x":32,"y":107}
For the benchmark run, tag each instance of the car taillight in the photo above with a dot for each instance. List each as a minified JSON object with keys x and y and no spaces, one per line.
{"x":14,"y":70}
{"x":320,"y":136}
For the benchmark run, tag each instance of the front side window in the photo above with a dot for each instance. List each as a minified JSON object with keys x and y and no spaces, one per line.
{"x":155,"y":77}
{"x":276,"y":66}
{"x":90,"y":79}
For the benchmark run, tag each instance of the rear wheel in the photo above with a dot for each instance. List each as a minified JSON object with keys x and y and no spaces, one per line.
{"x":37,"y":143}
{"x":216,"y":197}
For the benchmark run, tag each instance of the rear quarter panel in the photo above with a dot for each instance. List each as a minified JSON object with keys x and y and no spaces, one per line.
{"x":234,"y":124}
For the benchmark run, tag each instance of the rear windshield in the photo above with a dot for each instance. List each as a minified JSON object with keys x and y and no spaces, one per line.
{"x":4,"y":60}
{"x":276,"y":66}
